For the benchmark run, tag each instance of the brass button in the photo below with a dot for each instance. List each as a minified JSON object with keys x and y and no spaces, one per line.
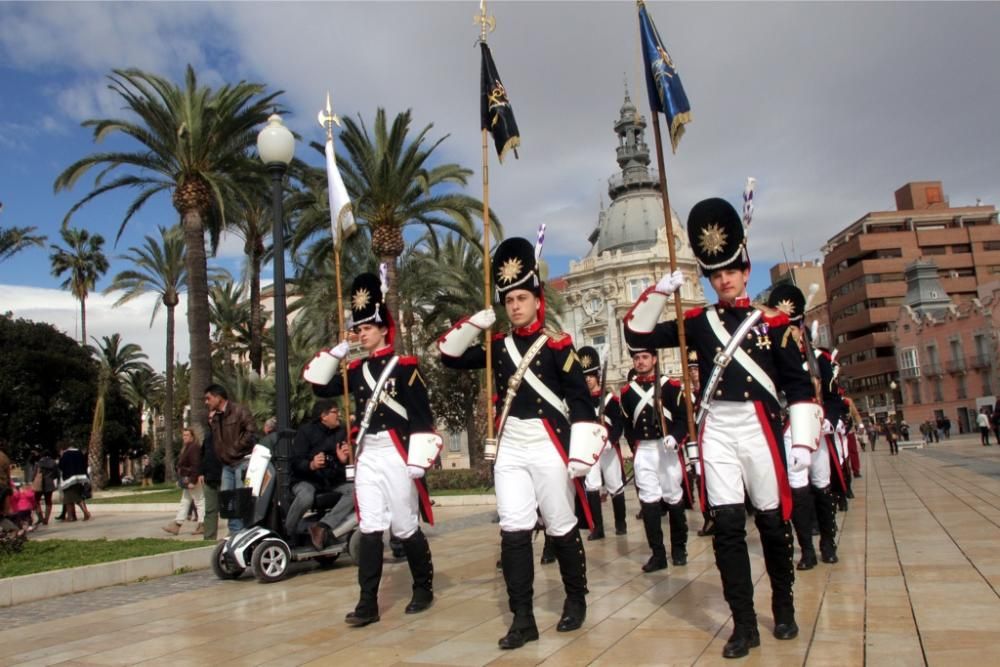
{"x":721,"y":310}
{"x":746,"y":394}
{"x":539,"y":412}
{"x":538,"y":400}
{"x":749,"y":336}
{"x":538,"y":362}
{"x":749,"y":378}
{"x":718,"y":349}
{"x":558,"y":430}
{"x":718,"y":392}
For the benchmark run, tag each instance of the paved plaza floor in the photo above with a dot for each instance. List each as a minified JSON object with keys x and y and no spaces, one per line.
{"x":917,"y":583}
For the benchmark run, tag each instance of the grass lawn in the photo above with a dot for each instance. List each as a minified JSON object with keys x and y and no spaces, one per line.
{"x":45,"y":555}
{"x":169,"y":495}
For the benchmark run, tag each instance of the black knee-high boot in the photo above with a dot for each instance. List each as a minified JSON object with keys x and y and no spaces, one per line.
{"x":519,"y":574}
{"x":418,"y":555}
{"x":548,"y":553}
{"x":652,"y":522}
{"x":730,"y":545}
{"x":594,"y":501}
{"x":826,"y":518}
{"x":573,"y":569}
{"x":803,"y":515}
{"x":618,"y":505}
{"x":678,"y":534}
{"x":369,"y":576}
{"x":776,"y":542}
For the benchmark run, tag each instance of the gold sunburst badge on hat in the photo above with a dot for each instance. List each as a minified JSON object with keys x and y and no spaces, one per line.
{"x":510,"y":270}
{"x":586,"y":361}
{"x":786,"y":306}
{"x":360,"y":299}
{"x":712,"y":239}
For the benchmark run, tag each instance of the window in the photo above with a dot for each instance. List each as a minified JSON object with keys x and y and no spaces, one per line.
{"x":991,"y":245}
{"x":933,"y":250}
{"x":599,"y":341}
{"x":454,"y":442}
{"x":960,"y":386}
{"x":637,"y":286}
{"x":937,"y":391}
{"x":961,"y":248}
{"x":915,"y":392}
{"x":908,"y":358}
{"x":933,"y":194}
{"x":932,"y":356}
{"x":987,"y":384}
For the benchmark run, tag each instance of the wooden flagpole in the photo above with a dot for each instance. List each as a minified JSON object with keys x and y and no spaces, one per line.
{"x":678,"y":308}
{"x":486,"y":25}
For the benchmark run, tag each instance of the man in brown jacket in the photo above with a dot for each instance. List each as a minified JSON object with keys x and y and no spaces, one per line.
{"x":233,"y":434}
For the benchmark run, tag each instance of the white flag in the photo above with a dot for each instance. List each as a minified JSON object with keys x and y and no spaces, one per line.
{"x":341,"y":211}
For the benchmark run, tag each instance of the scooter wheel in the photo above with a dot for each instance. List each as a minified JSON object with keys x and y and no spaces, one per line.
{"x":326,"y":562}
{"x":224,"y":568}
{"x":270,"y":561}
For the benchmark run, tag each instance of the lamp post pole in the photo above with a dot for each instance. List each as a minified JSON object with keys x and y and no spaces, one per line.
{"x":276,"y":147}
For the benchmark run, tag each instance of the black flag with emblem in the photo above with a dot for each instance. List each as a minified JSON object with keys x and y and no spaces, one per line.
{"x":496,"y":115}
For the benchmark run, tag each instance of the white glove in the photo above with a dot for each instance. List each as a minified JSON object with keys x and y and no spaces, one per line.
{"x":801,"y":458}
{"x":578,"y":469}
{"x":827,"y":427}
{"x":341,"y":349}
{"x":670,"y":283}
{"x":415,"y":472}
{"x":484,"y":319}
{"x":841,"y":427}
{"x":670,"y":443}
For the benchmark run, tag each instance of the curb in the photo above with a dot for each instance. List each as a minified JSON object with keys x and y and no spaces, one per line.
{"x":43,"y":585}
{"x":439,"y":501}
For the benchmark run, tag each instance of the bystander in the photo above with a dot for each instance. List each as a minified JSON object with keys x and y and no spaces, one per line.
{"x":983,"y":422}
{"x":188,"y":479}
{"x":233,"y":434}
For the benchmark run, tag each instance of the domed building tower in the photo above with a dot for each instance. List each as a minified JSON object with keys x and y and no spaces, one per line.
{"x":628,"y":253}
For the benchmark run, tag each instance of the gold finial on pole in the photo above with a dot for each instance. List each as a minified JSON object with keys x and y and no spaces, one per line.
{"x":328,"y":119}
{"x":486,"y":23}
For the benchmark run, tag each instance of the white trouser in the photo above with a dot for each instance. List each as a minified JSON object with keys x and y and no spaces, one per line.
{"x":197,"y":495}
{"x":606,"y":473}
{"x":657,"y":473}
{"x":737,"y":458}
{"x":531,"y":477}
{"x":387,"y":497}
{"x":818,"y":473}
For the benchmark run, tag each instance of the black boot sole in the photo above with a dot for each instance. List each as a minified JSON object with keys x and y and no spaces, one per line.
{"x":830,"y":559}
{"x":417,"y":607}
{"x":785,"y":631}
{"x":651,"y":566}
{"x":517,"y":638}
{"x":742,"y":648}
{"x":356,"y":621}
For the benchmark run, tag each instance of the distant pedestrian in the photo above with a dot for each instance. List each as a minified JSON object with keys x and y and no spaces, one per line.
{"x":210,"y":477}
{"x":73,"y":467}
{"x":946,"y":422}
{"x":147,"y":471}
{"x":233,"y":434}
{"x":49,"y":469}
{"x":996,"y":424}
{"x":270,"y":439}
{"x":892,"y":438}
{"x":188,"y":468}
{"x":983,"y":422}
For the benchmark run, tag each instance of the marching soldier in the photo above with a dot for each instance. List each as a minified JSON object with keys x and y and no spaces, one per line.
{"x":547,"y":424}
{"x":746,"y":357}
{"x":608,"y":474}
{"x":834,"y":427}
{"x":396,"y":445}
{"x":659,"y":470}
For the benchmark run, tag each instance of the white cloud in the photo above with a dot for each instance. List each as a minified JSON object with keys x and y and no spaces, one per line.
{"x":131,"y":320}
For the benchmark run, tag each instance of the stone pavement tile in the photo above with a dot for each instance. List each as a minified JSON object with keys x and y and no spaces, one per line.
{"x":894,"y":649}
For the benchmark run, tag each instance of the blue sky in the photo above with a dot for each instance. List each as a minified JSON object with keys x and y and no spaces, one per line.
{"x":831,"y":106}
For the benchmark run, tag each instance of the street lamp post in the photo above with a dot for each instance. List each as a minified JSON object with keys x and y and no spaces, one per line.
{"x":276,"y":146}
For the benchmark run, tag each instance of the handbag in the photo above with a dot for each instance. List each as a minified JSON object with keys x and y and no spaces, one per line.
{"x":37,"y":483}
{"x":183,"y":482}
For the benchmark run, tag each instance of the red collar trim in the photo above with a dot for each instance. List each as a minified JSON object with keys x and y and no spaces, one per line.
{"x":741,"y":302}
{"x":382,"y":352}
{"x":529,"y":330}
{"x":644,"y":378}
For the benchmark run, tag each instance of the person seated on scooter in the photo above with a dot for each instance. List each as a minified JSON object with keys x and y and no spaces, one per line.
{"x":318,"y":456}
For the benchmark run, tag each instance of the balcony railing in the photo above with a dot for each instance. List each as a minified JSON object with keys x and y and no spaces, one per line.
{"x":932,"y":370}
{"x":955,"y":366}
{"x":980,"y":361}
{"x":909,"y":373}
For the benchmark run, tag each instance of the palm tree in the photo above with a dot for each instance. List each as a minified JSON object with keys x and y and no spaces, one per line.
{"x":15,"y":239}
{"x":393,"y":185}
{"x":84,"y":261}
{"x":229,"y":313}
{"x":158,"y":268}
{"x":194,"y":142}
{"x":144,"y":388}
{"x":117,"y":361}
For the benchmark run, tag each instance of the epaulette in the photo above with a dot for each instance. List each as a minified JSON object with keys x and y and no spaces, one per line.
{"x":674,"y":381}
{"x":773,"y":317}
{"x":354,"y":364}
{"x":500,"y":335}
{"x":407,"y":360}
{"x":693,"y":312}
{"x":558,"y":341}
{"x":625,"y":388}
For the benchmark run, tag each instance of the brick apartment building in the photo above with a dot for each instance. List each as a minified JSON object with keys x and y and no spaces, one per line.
{"x":863,"y":267}
{"x":947,"y":353}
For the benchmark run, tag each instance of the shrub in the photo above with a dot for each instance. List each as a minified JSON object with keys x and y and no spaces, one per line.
{"x":458,"y":478}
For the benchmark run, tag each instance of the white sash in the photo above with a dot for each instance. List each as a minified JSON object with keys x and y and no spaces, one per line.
{"x":386,"y":399}
{"x":739,"y":354}
{"x":607,"y":402}
{"x":645,"y":398}
{"x":540,"y":388}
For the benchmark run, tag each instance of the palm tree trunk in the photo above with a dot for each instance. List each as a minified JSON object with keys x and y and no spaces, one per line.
{"x":256,"y":318}
{"x":198,"y":320}
{"x":95,"y":447}
{"x":168,"y":401}
{"x":392,"y":296}
{"x":83,"y":321}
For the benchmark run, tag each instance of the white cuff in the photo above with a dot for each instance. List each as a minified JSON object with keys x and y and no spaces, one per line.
{"x":646,"y":311}
{"x":459,"y":338}
{"x":806,"y":420}
{"x":321,"y":368}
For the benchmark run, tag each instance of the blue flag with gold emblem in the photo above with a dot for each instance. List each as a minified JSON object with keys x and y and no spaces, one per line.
{"x":663,"y":83}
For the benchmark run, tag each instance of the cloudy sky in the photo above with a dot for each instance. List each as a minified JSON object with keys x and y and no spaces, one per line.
{"x":831,"y":106}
